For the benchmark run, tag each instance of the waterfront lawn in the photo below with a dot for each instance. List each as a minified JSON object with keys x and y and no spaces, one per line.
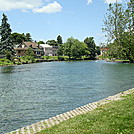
{"x":116,"y":117}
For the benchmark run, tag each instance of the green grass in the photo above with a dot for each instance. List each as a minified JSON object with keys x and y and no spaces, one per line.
{"x":121,"y":60}
{"x":55,"y":57}
{"x":116,"y":117}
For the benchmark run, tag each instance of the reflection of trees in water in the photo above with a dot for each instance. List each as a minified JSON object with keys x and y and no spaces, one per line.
{"x":7,"y":84}
{"x":7,"y":69}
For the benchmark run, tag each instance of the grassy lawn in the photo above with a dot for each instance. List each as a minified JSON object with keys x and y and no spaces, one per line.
{"x":116,"y":117}
{"x":121,"y":60}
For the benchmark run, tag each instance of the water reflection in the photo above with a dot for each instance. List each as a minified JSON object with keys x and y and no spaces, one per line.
{"x":9,"y":69}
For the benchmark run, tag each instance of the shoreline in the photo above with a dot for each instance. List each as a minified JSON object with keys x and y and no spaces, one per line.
{"x":39,"y":126}
{"x":40,"y":61}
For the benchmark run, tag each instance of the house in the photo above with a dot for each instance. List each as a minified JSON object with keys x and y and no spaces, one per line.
{"x":22,"y":48}
{"x":49,"y":50}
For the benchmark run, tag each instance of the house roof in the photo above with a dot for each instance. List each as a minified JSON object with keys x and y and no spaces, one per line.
{"x":31,"y":44}
{"x":45,"y":45}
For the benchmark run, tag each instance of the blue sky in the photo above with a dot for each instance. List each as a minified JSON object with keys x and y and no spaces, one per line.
{"x":46,"y":19}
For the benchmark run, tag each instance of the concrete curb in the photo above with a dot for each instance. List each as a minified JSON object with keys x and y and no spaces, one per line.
{"x":39,"y":126}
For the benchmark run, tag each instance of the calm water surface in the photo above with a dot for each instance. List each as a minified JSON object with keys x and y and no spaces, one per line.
{"x":34,"y":92}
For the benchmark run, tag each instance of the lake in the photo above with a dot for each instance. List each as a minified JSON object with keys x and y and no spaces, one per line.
{"x":34,"y":92}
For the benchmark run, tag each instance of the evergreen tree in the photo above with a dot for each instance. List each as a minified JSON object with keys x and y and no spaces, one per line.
{"x":59,"y":39}
{"x":6,"y":44}
{"x":28,"y":37}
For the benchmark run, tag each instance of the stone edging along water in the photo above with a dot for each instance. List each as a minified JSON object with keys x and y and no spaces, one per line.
{"x":37,"y":127}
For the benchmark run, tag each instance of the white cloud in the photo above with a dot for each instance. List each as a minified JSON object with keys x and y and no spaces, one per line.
{"x":6,"y":5}
{"x":89,"y":1}
{"x":112,"y":1}
{"x":50,"y":8}
{"x":34,"y":5}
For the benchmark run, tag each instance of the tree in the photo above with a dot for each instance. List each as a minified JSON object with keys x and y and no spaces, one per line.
{"x":98,"y":50}
{"x":115,"y":22}
{"x":79,"y":49}
{"x":6,"y":45}
{"x":119,"y":31}
{"x":28,"y":37}
{"x":91,"y":46}
{"x":52,"y":43}
{"x":60,"y":50}
{"x":59,"y":39}
{"x":74,"y":48}
{"x":41,"y":42}
{"x":18,"y":38}
{"x":130,"y":10}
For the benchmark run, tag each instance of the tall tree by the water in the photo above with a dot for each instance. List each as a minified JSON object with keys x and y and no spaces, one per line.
{"x":6,"y":44}
{"x":118,"y":26}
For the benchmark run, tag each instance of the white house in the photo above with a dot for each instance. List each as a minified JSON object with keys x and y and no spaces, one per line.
{"x":49,"y":50}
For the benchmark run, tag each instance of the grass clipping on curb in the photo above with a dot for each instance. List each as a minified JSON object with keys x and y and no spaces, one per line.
{"x":116,"y":117}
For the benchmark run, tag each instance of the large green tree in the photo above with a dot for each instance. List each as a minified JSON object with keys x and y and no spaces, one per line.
{"x":6,"y":44}
{"x":115,"y":22}
{"x":73,"y":48}
{"x":91,"y":46}
{"x":118,"y":25}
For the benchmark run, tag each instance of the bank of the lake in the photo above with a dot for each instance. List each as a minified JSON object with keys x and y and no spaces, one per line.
{"x":34,"y":92}
{"x":116,"y":117}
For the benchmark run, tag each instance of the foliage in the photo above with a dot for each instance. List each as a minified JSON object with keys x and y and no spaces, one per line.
{"x":93,"y":49}
{"x":52,"y":43}
{"x":60,"y":50}
{"x":6,"y":44}
{"x":74,"y":48}
{"x":27,"y":59}
{"x":28,"y":37}
{"x":113,"y":118}
{"x":56,"y":57}
{"x":4,"y":62}
{"x":98,"y":50}
{"x":18,"y":38}
{"x":119,"y":30}
{"x":30,"y":52}
{"x":59,"y":40}
{"x":41,"y":42}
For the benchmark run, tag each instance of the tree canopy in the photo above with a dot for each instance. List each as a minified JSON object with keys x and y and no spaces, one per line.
{"x":73,"y":48}
{"x":28,"y":37}
{"x":119,"y":29}
{"x":59,"y":39}
{"x":18,"y":38}
{"x":93,"y":49}
{"x":52,"y":43}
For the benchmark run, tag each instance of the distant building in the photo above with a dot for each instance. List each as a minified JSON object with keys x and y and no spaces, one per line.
{"x":49,"y":50}
{"x":23,"y":47}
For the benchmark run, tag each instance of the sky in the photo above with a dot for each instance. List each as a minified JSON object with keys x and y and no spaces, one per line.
{"x":46,"y":19}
